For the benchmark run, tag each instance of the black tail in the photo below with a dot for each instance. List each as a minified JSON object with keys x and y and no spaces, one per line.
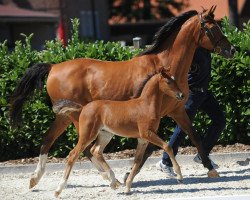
{"x":31,"y":80}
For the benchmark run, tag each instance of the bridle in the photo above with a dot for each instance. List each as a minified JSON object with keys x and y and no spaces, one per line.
{"x":213,"y":33}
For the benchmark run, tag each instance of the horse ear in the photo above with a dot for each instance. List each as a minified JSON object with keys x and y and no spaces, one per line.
{"x":210,"y":14}
{"x":203,"y":9}
{"x":211,"y":11}
{"x":214,"y":8}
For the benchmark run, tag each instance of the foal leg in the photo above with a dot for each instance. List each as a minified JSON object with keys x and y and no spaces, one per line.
{"x":155,"y":139}
{"x":54,"y":131}
{"x":94,"y":152}
{"x":87,"y":134}
{"x":106,"y":172}
{"x":141,"y":147}
{"x":148,"y":152}
{"x":87,"y":152}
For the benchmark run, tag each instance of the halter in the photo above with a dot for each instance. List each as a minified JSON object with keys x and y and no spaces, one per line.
{"x":212,"y":34}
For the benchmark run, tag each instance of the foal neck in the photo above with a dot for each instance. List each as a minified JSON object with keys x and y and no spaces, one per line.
{"x":151,"y":91}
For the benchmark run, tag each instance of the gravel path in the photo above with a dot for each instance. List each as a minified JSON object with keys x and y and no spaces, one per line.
{"x":150,"y":183}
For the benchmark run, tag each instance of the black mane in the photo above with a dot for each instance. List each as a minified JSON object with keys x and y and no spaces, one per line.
{"x":141,"y":86}
{"x":165,"y":31}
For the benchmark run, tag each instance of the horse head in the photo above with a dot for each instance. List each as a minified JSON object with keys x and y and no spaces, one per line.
{"x":169,"y":86}
{"x":211,"y":37}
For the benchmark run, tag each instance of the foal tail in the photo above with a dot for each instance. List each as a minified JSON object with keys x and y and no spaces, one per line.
{"x":31,"y":80}
{"x":65,"y":107}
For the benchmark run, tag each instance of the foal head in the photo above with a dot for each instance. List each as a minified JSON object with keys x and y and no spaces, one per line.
{"x":211,"y":36}
{"x":168,"y":86}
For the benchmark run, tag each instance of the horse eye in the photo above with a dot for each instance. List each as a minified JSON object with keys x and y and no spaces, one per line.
{"x":169,"y":81}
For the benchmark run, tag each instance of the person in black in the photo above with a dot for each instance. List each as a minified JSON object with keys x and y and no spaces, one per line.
{"x":199,"y":99}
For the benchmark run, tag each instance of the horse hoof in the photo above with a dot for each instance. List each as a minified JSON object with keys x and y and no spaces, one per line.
{"x":33,"y":183}
{"x":213,"y":174}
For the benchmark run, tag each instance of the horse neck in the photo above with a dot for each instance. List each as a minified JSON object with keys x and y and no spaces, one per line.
{"x":178,"y":56}
{"x":151,"y":93}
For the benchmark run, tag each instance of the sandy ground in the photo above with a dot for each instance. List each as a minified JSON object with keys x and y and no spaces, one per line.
{"x":150,"y":183}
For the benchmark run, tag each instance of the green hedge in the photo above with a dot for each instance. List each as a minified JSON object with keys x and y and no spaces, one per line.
{"x":230,"y":84}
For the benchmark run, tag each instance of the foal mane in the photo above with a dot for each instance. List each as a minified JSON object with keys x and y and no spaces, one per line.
{"x":142,"y":84}
{"x":165,"y":31}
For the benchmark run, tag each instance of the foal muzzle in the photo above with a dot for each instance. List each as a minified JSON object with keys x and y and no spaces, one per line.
{"x":179,"y":96}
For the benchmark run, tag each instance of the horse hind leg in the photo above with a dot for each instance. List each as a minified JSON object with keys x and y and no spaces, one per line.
{"x":96,"y":150}
{"x":54,"y":131}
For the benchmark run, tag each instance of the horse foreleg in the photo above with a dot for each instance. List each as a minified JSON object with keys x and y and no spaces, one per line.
{"x":182,"y":119}
{"x":54,"y":131}
{"x":98,"y":160}
{"x":140,"y":150}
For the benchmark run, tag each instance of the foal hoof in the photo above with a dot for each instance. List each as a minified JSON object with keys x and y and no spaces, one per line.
{"x":56,"y":194}
{"x":33,"y":183}
{"x":128,"y":191}
{"x":213,"y":174}
{"x":125,"y":177}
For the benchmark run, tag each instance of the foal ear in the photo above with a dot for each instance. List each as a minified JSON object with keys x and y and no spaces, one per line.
{"x":164,"y":73}
{"x":161,"y":69}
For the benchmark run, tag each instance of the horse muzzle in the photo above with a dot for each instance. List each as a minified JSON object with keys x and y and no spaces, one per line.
{"x":227,"y":53}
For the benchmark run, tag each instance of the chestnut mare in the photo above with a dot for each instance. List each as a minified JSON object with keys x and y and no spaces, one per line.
{"x":86,"y":80}
{"x":135,"y":118}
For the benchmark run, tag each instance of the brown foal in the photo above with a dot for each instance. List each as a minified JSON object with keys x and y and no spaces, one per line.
{"x":86,"y":80}
{"x":135,"y":118}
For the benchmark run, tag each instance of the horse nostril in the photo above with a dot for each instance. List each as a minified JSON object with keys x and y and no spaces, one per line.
{"x":233,"y":50}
